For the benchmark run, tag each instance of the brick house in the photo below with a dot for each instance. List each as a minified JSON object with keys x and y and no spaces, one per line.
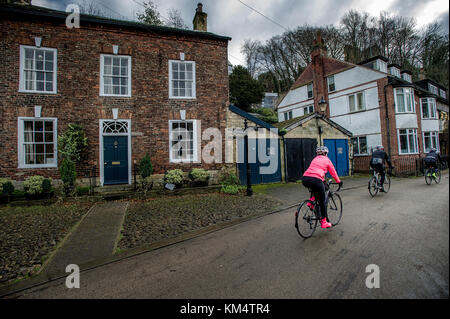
{"x":135,"y":88}
{"x":374,"y":100}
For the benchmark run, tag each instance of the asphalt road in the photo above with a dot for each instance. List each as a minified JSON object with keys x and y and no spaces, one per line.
{"x":405,"y":233}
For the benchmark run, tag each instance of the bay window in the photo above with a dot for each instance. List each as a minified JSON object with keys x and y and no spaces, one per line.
{"x":404,"y":100}
{"x":428,"y":106}
{"x":430,"y":140}
{"x":407,"y":141}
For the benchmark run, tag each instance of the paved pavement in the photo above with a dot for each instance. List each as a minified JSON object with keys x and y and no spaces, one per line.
{"x":94,"y":238}
{"x":404,"y":232}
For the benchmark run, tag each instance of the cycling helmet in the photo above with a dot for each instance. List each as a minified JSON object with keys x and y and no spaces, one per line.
{"x":433,"y":149}
{"x":322,"y":150}
{"x":379,"y":148}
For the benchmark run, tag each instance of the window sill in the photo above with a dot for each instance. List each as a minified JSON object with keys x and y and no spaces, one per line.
{"x":114,"y":95}
{"x":417,"y":153}
{"x":360,"y":155}
{"x":37,"y":166}
{"x":182,"y":98}
{"x":432,"y":118}
{"x":358,"y":111}
{"x":400,"y":113}
{"x":39,"y":92}
{"x":183,"y":161}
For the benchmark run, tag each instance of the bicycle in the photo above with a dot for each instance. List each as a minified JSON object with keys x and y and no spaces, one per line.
{"x":307,"y":216}
{"x":374,"y":184}
{"x":429,"y":177}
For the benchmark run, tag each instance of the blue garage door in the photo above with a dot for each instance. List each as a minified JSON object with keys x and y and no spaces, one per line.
{"x":338,"y":154}
{"x":255,"y":172}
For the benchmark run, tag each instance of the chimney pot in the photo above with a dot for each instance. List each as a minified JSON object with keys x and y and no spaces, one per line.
{"x":200,"y":19}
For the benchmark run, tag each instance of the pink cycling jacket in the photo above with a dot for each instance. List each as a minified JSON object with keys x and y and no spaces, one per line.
{"x":319,"y":166}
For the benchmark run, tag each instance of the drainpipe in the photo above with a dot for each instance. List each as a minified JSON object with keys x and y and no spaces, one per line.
{"x":387,"y":121}
{"x":285,"y":160}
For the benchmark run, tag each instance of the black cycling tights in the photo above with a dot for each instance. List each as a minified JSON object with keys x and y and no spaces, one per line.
{"x":318,"y":188}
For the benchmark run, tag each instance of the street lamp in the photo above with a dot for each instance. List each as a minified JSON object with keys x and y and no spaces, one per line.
{"x":322,"y":105}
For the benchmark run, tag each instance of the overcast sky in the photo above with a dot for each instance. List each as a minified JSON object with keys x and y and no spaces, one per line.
{"x":234,"y":19}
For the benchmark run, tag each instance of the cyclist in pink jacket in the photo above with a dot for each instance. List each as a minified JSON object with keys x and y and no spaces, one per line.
{"x":314,"y":177}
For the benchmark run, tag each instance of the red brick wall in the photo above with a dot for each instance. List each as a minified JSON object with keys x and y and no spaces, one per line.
{"x":78,"y":100}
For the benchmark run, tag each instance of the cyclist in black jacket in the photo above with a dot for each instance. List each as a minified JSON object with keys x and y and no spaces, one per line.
{"x":379,"y":156}
{"x":431,"y":160}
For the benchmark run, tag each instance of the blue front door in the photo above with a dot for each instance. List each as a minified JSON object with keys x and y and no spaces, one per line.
{"x":115,"y":158}
{"x":338,"y":154}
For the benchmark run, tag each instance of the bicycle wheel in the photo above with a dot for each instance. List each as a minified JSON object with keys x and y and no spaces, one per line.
{"x":428,"y":177}
{"x":305,"y":219}
{"x":387,"y":183}
{"x":334,"y":209}
{"x":373,"y":187}
{"x":438,"y":176}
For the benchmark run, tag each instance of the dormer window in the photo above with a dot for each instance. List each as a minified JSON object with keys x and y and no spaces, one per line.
{"x":432,"y":88}
{"x":407,"y":77}
{"x":442,"y":93}
{"x":394,"y":71}
{"x":380,"y":65}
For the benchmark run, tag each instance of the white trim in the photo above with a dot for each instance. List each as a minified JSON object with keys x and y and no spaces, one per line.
{"x":101,"y":155}
{"x":102,"y":56}
{"x":20,"y":136}
{"x":194,"y":138}
{"x":194,"y":82}
{"x":22,"y":65}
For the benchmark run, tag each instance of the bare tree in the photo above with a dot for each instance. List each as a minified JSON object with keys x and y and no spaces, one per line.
{"x":175,"y":19}
{"x":250,"y":50}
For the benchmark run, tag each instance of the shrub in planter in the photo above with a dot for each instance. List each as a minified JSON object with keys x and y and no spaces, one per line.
{"x":174,"y":176}
{"x":229,"y":179}
{"x":230,"y":189}
{"x":6,"y":189}
{"x":199,"y":176}
{"x":68,"y":174}
{"x":37,"y":186}
{"x":146,"y":171}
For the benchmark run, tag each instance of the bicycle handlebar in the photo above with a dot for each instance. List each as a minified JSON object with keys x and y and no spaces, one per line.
{"x":329,"y":182}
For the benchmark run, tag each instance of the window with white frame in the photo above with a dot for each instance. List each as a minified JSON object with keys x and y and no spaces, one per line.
{"x":380,"y":65}
{"x":308,"y":109}
{"x":428,"y":106}
{"x":115,"y":75}
{"x":37,"y":142}
{"x":331,"y":84}
{"x":287,"y":115}
{"x":356,"y":102}
{"x":430,"y":140}
{"x":406,"y":77}
{"x":182,"y":79}
{"x":432,"y":88}
{"x":359,"y":145}
{"x":442,"y":93}
{"x":407,"y":141}
{"x":310,"y":90}
{"x":404,"y":100}
{"x":37,"y":69}
{"x":183,"y":141}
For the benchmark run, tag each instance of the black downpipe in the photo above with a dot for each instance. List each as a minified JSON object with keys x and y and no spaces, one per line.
{"x":387,"y":122}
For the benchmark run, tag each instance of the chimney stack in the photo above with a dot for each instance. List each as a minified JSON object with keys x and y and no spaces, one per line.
{"x":200,"y":19}
{"x":422,"y":74}
{"x":319,"y":47}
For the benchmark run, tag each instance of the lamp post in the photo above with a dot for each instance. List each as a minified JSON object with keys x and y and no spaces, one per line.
{"x":322,"y":105}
